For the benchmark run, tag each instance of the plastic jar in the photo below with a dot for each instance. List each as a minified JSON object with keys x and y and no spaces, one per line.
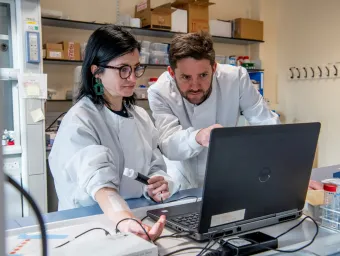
{"x":329,"y":215}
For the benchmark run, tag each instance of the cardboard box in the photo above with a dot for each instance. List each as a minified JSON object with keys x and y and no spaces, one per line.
{"x":220,"y":28}
{"x":52,"y":46}
{"x":157,"y":18}
{"x":198,"y":13}
{"x":54,"y":54}
{"x":248,"y":29}
{"x":71,"y":50}
{"x":179,"y":19}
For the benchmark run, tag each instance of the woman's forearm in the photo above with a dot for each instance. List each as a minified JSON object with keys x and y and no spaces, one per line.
{"x":113,"y":205}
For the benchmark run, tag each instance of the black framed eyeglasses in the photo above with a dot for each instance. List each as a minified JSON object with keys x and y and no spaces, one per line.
{"x":126,"y":70}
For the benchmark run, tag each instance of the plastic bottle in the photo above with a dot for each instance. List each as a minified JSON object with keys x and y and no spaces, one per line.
{"x":4,"y":140}
{"x":329,"y":216}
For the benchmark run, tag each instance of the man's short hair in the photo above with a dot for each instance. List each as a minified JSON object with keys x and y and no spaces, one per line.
{"x":193,"y":45}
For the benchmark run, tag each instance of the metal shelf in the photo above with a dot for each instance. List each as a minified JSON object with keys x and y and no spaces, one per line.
{"x":74,"y":24}
{"x":63,"y":62}
{"x":153,"y":66}
{"x":76,"y":62}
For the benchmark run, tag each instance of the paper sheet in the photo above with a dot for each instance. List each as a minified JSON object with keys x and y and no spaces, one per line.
{"x":37,"y":115}
{"x":33,"y":86}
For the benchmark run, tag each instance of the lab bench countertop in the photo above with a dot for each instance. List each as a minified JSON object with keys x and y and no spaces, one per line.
{"x":317,"y":174}
{"x":95,"y":210}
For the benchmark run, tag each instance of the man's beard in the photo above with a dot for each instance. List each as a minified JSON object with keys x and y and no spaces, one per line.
{"x":205,"y":95}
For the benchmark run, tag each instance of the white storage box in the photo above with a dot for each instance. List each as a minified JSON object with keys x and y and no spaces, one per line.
{"x":159,"y":58}
{"x":159,"y":47}
{"x":145,"y":45}
{"x":144,"y":57}
{"x":220,"y":28}
{"x":179,"y":21}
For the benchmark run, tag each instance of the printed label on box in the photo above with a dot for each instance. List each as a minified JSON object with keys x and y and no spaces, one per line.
{"x":71,"y":51}
{"x":55,"y":54}
{"x":142,"y":6}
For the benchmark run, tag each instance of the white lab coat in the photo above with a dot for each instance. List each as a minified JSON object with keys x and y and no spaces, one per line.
{"x":178,"y":121}
{"x":92,"y":148}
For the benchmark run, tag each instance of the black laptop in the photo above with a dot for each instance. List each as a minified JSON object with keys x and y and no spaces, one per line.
{"x":256,"y":176}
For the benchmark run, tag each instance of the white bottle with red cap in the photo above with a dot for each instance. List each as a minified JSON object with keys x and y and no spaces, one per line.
{"x":330,"y":217}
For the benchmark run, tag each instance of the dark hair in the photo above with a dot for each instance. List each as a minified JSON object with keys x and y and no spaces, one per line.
{"x":105,"y":44}
{"x":194,"y":45}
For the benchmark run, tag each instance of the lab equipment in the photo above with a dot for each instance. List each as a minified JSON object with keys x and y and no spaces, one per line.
{"x":136,"y":176}
{"x":33,"y":46}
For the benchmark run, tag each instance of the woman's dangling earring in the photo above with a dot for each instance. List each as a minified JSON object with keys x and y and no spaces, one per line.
{"x":98,"y":87}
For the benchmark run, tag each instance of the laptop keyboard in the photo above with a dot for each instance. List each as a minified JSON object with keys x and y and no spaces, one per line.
{"x":191,"y":220}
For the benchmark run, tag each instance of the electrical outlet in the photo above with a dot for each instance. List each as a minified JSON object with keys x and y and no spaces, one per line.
{"x":11,"y":165}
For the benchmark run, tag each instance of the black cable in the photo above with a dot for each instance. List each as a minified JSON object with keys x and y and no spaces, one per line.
{"x":47,"y":129}
{"x":175,"y":200}
{"x":176,"y":235}
{"x":285,"y":251}
{"x":106,"y":233}
{"x":206,"y":246}
{"x":186,"y":249}
{"x":146,"y":233}
{"x":144,"y":218}
{"x":307,"y":217}
{"x":217,"y":240}
{"x":36,"y":212}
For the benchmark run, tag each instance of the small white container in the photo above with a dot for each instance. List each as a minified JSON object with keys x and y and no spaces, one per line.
{"x":220,"y":28}
{"x":135,"y":23}
{"x":145,"y":45}
{"x":159,"y":47}
{"x":144,"y":57}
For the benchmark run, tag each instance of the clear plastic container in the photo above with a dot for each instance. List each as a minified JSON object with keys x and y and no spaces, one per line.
{"x":220,"y":59}
{"x":159,"y":47}
{"x":141,"y":92}
{"x":144,"y":57}
{"x":145,"y":45}
{"x":330,"y":217}
{"x":159,"y":58}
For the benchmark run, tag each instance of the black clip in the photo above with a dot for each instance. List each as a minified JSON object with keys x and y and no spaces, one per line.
{"x":336,"y":70}
{"x":292,"y":77}
{"x":299,"y":75}
{"x":305,"y":72}
{"x":320,"y":71}
{"x":313,"y":72}
{"x":327,"y":70}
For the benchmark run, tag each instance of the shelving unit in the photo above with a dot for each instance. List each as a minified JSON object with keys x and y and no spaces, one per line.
{"x":74,"y":24}
{"x":76,"y":62}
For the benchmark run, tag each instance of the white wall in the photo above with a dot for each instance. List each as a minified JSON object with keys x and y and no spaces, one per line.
{"x":308,"y":34}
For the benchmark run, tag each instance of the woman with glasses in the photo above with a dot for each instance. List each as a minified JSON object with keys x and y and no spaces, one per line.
{"x":105,"y":133}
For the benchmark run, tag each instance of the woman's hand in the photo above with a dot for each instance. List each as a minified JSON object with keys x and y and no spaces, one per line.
{"x":158,"y":188}
{"x":315,"y":185}
{"x":154,"y":232}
